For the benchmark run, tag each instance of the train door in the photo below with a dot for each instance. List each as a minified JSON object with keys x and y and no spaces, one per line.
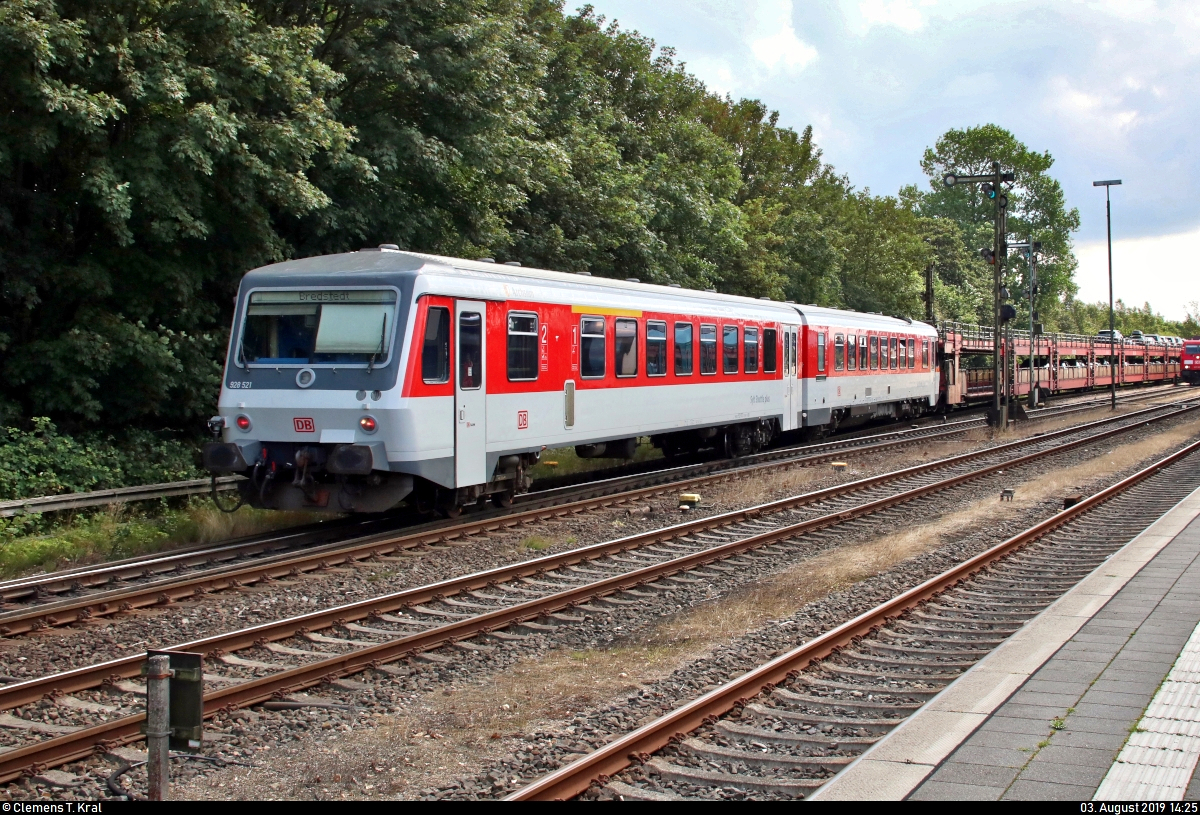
{"x":791,"y":377}
{"x":470,"y":394}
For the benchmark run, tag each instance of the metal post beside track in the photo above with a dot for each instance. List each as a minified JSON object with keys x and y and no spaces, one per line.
{"x":158,"y":726}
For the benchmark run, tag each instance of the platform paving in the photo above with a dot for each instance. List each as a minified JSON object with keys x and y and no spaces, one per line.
{"x":1047,"y":714}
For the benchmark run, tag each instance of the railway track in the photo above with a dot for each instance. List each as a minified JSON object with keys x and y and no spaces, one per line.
{"x":263,"y":662}
{"x":63,"y":598}
{"x":783,"y":730}
{"x":89,"y":592}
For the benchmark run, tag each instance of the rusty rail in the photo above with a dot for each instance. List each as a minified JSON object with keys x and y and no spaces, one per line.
{"x":122,"y":495}
{"x":171,"y":588}
{"x":599,"y":766}
{"x":72,"y":746}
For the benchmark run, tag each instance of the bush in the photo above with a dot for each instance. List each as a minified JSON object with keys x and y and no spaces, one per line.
{"x":43,"y":462}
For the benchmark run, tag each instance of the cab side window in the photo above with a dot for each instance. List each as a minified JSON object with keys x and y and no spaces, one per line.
{"x":924,"y":353}
{"x":435,"y":350}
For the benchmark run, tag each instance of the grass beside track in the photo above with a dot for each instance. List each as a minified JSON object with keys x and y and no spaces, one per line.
{"x":32,"y":544}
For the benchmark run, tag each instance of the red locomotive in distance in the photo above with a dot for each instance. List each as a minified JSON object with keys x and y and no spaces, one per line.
{"x":1191,"y":361}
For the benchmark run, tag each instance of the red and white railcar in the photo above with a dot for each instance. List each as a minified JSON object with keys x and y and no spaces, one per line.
{"x":358,"y":380}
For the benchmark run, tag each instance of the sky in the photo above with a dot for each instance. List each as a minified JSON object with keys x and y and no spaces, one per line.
{"x":1107,"y":87}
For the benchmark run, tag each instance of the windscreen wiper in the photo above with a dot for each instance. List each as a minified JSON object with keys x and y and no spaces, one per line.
{"x":382,"y":341}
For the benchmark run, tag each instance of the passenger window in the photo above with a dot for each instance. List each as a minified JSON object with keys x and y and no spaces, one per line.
{"x":821,"y":351}
{"x":435,"y":351}
{"x":851,"y":351}
{"x":656,"y":348}
{"x":863,"y":364}
{"x":750,"y":350}
{"x":522,"y":346}
{"x":683,"y":349}
{"x":770,"y":337}
{"x":874,"y":353}
{"x":795,"y":357}
{"x":625,"y":348}
{"x":470,"y":347}
{"x":912,"y":353}
{"x":892,"y":352}
{"x":708,"y":349}
{"x":924,"y":353}
{"x":729,"y":355}
{"x":839,"y":352}
{"x":591,"y":357}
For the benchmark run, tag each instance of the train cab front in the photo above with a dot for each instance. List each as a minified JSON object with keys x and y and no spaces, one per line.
{"x":309,"y":406}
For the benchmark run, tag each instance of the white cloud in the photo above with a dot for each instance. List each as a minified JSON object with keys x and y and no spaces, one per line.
{"x":774,"y":42}
{"x":902,"y":14}
{"x":1159,"y":270}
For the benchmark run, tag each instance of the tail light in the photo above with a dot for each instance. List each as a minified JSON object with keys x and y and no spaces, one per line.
{"x":243,"y":422}
{"x":368,"y":424}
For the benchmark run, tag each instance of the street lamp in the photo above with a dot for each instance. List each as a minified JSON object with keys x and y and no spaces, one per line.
{"x":1112,"y":327}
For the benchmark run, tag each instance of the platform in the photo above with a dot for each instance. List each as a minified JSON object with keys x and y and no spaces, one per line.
{"x":1098,"y":697}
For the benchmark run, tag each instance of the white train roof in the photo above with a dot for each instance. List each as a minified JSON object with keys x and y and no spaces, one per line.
{"x":484,"y":280}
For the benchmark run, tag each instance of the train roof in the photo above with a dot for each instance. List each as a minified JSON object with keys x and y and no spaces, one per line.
{"x":390,"y":267}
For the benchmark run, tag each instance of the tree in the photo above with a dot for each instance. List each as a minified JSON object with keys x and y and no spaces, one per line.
{"x":1036,"y":207}
{"x":883,"y":256}
{"x":147,"y":150}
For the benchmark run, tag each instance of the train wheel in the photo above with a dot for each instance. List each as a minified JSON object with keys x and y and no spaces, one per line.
{"x":503,"y":500}
{"x":451,"y":511}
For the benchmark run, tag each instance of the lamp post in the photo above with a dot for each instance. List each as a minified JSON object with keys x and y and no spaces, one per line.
{"x":1112,"y":327}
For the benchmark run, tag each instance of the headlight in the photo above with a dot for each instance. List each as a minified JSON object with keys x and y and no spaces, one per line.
{"x":243,"y":422}
{"x":368,"y":424}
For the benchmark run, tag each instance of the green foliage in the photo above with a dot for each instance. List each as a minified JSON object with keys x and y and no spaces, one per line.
{"x":40,"y":542}
{"x":44,"y":462}
{"x":155,"y":150}
{"x":1088,"y":318}
{"x":1036,"y":207}
{"x":147,"y":153}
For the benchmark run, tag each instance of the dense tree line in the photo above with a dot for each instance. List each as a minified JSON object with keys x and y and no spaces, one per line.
{"x":154,"y":150}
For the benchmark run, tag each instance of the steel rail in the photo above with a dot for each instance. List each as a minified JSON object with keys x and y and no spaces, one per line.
{"x":121,"y":495}
{"x":75,"y":745}
{"x":31,"y":619}
{"x":144,"y":492}
{"x":672,"y":727}
{"x":88,"y":576}
{"x":289,"y":564}
{"x":82,"y":576}
{"x":140,"y":566}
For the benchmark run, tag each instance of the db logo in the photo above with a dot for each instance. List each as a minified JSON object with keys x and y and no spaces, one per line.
{"x":522,"y":420}
{"x":304,"y":425}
